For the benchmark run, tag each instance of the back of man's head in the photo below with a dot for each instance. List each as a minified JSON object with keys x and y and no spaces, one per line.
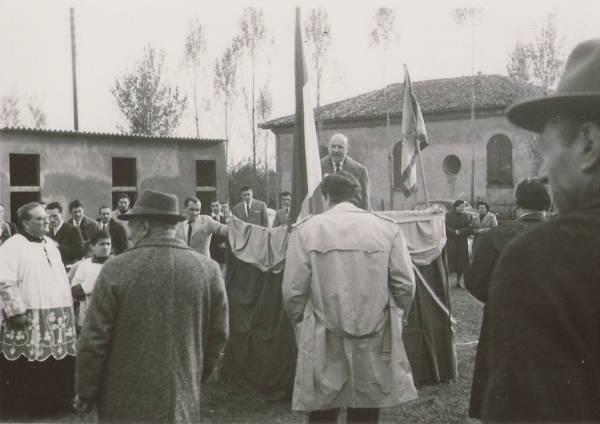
{"x":341,"y":187}
{"x":532,"y":194}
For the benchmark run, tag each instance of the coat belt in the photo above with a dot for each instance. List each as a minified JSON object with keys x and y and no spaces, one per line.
{"x":342,"y":333}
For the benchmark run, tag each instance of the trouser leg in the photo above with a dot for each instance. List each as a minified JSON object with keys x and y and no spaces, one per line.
{"x":362,"y":415}
{"x":323,"y":416}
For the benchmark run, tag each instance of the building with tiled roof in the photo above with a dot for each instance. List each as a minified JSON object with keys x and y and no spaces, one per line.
{"x":95,"y":167}
{"x":446,"y":106}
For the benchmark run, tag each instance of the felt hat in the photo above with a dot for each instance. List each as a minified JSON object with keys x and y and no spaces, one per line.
{"x":155,"y":204}
{"x":577,"y":93}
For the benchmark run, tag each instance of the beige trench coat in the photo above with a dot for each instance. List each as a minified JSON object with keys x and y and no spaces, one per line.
{"x":348,"y":282}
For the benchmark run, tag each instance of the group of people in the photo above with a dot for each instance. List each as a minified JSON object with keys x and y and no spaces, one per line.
{"x":157,"y":322}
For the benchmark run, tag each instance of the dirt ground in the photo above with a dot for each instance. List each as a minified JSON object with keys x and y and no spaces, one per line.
{"x":443,"y":403}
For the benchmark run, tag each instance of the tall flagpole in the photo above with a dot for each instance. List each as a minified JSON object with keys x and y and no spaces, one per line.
{"x":425,"y":191}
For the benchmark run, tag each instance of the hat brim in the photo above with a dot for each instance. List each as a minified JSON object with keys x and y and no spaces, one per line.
{"x":533,"y":114}
{"x":150,"y":213}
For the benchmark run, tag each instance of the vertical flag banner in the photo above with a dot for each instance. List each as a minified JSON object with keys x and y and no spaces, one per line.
{"x":413,"y":131}
{"x":306,"y":167}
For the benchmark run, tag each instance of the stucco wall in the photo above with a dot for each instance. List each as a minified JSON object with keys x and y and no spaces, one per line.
{"x":80,"y":167}
{"x":368,"y":145}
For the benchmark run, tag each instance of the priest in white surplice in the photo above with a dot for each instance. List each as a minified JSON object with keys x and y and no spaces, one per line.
{"x":37,"y":333}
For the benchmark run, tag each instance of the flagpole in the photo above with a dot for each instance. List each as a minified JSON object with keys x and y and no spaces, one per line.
{"x":425,"y":191}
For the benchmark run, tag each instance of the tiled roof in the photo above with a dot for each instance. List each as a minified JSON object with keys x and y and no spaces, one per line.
{"x":73,"y":133}
{"x":439,"y":96}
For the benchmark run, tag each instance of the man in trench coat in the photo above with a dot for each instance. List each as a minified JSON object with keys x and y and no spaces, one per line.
{"x":347,"y":284}
{"x":156,"y":325}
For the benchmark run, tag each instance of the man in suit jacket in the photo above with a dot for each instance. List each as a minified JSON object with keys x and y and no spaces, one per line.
{"x":251,"y":210}
{"x":118,"y":235}
{"x":67,"y":237}
{"x":197,"y":230}
{"x":338,"y":160}
{"x":533,"y":201}
{"x":218,"y":243}
{"x":282,"y":215}
{"x":86,"y":225}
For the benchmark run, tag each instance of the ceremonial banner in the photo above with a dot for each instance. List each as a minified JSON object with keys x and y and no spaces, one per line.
{"x":306,"y":167}
{"x":413,"y":131}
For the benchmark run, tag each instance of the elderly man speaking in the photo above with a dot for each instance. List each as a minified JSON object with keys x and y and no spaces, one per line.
{"x":348,"y":281}
{"x":156,"y":325}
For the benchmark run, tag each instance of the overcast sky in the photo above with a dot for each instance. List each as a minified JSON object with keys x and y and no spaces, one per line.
{"x":111,"y":35}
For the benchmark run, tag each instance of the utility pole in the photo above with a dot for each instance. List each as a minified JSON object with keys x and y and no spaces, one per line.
{"x":74,"y":69}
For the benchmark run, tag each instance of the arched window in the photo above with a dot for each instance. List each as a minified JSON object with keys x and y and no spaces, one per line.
{"x":397,"y":165}
{"x":499,"y":162}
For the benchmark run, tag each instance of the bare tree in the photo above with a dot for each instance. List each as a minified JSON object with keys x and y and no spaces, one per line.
{"x":195,"y":48}
{"x":38,"y":115}
{"x":264,"y":106}
{"x":149,"y":104}
{"x":225,"y":86}
{"x":382,"y":35}
{"x":251,"y":40}
{"x":11,"y":112}
{"x":318,"y":33}
{"x":541,"y":60}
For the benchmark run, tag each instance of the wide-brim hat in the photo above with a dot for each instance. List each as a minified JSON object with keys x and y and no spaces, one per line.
{"x":155,"y":204}
{"x":577,"y":93}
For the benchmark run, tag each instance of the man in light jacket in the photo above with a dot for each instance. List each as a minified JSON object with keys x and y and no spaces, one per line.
{"x":347,"y":285}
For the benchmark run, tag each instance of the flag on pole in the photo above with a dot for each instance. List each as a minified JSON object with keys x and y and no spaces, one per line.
{"x":306,"y":166}
{"x":413,"y":131}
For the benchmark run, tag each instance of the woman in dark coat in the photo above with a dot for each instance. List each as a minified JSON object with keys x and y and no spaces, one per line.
{"x":458,"y":228}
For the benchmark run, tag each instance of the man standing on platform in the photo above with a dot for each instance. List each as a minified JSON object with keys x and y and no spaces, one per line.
{"x":197,"y":231}
{"x":67,"y":237}
{"x":38,"y":338}
{"x":338,"y":160}
{"x":156,"y":325}
{"x":282,"y":216}
{"x":542,"y":309}
{"x":117,"y":232}
{"x":348,"y":283}
{"x":251,"y":210}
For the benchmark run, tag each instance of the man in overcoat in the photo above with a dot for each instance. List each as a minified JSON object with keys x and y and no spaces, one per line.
{"x":197,"y":230}
{"x":542,"y":309}
{"x":347,"y":285}
{"x":251,"y":210}
{"x":338,"y":160}
{"x":533,"y":201}
{"x":156,"y":325}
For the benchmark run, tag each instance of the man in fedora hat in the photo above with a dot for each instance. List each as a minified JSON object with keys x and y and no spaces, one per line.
{"x":156,"y":325}
{"x":542,"y":310}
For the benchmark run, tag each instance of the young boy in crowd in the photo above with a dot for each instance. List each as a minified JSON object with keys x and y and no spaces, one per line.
{"x":87,"y":272}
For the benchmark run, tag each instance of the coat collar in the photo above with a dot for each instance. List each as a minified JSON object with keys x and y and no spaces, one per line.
{"x":162,"y":241}
{"x":532,"y":216}
{"x":344,"y":207}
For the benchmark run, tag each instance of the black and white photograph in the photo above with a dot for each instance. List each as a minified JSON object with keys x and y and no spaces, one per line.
{"x":277,"y":211}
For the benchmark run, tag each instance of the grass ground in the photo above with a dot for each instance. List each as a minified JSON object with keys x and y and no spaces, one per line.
{"x":443,"y":403}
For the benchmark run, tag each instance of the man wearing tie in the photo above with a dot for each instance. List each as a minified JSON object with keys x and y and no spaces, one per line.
{"x":79,"y":219}
{"x":251,"y":210}
{"x":218,"y":244}
{"x":282,"y":216}
{"x":338,"y":160}
{"x":67,"y":237}
{"x":118,"y":234}
{"x":197,"y":230}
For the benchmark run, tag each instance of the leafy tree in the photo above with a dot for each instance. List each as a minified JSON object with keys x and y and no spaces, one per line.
{"x":195,"y":48}
{"x":149,"y":104}
{"x":243,"y":174}
{"x":11,"y":112}
{"x":318,"y":33}
{"x":249,"y":42}
{"x":541,"y":60}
